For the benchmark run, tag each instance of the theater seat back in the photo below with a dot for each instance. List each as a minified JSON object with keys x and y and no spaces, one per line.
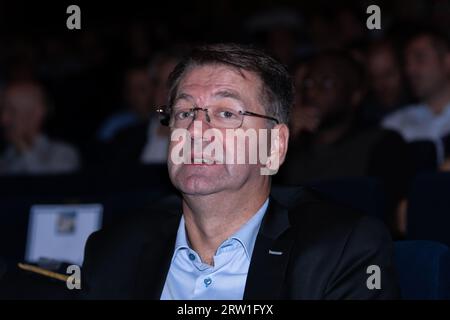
{"x":423,"y":269}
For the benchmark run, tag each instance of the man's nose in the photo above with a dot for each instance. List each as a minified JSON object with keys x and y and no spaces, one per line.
{"x":200,"y":117}
{"x":197,"y":129}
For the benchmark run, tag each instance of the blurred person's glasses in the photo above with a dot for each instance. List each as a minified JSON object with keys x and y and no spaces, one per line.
{"x":323,"y":84}
{"x":220,"y":117}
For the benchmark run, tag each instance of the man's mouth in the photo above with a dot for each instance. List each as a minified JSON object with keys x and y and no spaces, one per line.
{"x":202,"y":161}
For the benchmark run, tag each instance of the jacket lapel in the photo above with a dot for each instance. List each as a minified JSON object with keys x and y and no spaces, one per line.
{"x":270,"y":255}
{"x":156,"y":256}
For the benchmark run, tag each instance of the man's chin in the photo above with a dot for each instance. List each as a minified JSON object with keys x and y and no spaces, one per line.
{"x":198,"y":189}
{"x":197,"y":184}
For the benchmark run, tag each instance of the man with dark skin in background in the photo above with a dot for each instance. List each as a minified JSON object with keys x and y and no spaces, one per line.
{"x":332,"y":144}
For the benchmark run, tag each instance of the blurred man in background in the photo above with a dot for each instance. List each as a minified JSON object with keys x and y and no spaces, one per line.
{"x":138,"y":96}
{"x":27,"y":149}
{"x":145,"y":142}
{"x":427,"y":57}
{"x":156,"y":145}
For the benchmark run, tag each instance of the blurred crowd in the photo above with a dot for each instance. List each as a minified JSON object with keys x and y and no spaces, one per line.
{"x":368,"y":102}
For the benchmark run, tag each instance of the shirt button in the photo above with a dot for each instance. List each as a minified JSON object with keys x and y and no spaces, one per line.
{"x":191,"y":256}
{"x":207,"y":282}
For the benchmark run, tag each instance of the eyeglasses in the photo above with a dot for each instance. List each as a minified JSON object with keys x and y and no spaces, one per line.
{"x":220,"y":118}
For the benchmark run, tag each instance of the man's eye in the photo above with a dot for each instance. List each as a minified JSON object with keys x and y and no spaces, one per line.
{"x":181,"y":115}
{"x":226,"y":114}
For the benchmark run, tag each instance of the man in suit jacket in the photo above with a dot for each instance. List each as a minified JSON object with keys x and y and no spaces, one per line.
{"x":227,"y":238}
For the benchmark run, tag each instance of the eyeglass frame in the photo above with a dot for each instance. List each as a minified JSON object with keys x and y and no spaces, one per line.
{"x":162,"y":110}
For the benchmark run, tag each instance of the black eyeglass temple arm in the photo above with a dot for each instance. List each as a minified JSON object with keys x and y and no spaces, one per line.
{"x":249,"y":113}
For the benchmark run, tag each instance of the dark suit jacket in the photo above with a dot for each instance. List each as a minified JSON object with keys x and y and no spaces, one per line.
{"x":326,"y":251}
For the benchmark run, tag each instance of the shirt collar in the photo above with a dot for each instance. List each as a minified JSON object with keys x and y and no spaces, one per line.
{"x":181,"y":241}
{"x":246,"y":235}
{"x":41,"y":142}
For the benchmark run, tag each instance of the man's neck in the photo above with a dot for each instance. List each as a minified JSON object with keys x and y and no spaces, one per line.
{"x":212,"y":219}
{"x":27,"y":143}
{"x":440,"y":100}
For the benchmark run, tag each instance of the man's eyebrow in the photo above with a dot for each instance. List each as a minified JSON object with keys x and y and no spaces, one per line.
{"x":228,"y":94}
{"x":183,"y":96}
{"x":219,"y":94}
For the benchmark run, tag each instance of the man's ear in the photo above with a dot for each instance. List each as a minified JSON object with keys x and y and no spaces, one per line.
{"x":284,"y":141}
{"x":279,"y":140}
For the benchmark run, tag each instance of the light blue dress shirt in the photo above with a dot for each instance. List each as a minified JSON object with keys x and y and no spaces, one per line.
{"x":191,"y":279}
{"x":419,"y":122}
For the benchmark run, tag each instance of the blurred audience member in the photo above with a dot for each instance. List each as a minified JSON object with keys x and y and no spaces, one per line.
{"x":386,"y":82}
{"x":155,"y":149}
{"x":146,"y":142}
{"x":27,"y":149}
{"x":138,"y":96}
{"x":330,"y":143}
{"x":427,"y":57}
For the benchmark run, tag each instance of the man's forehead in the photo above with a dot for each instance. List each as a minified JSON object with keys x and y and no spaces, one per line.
{"x":218,"y":78}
